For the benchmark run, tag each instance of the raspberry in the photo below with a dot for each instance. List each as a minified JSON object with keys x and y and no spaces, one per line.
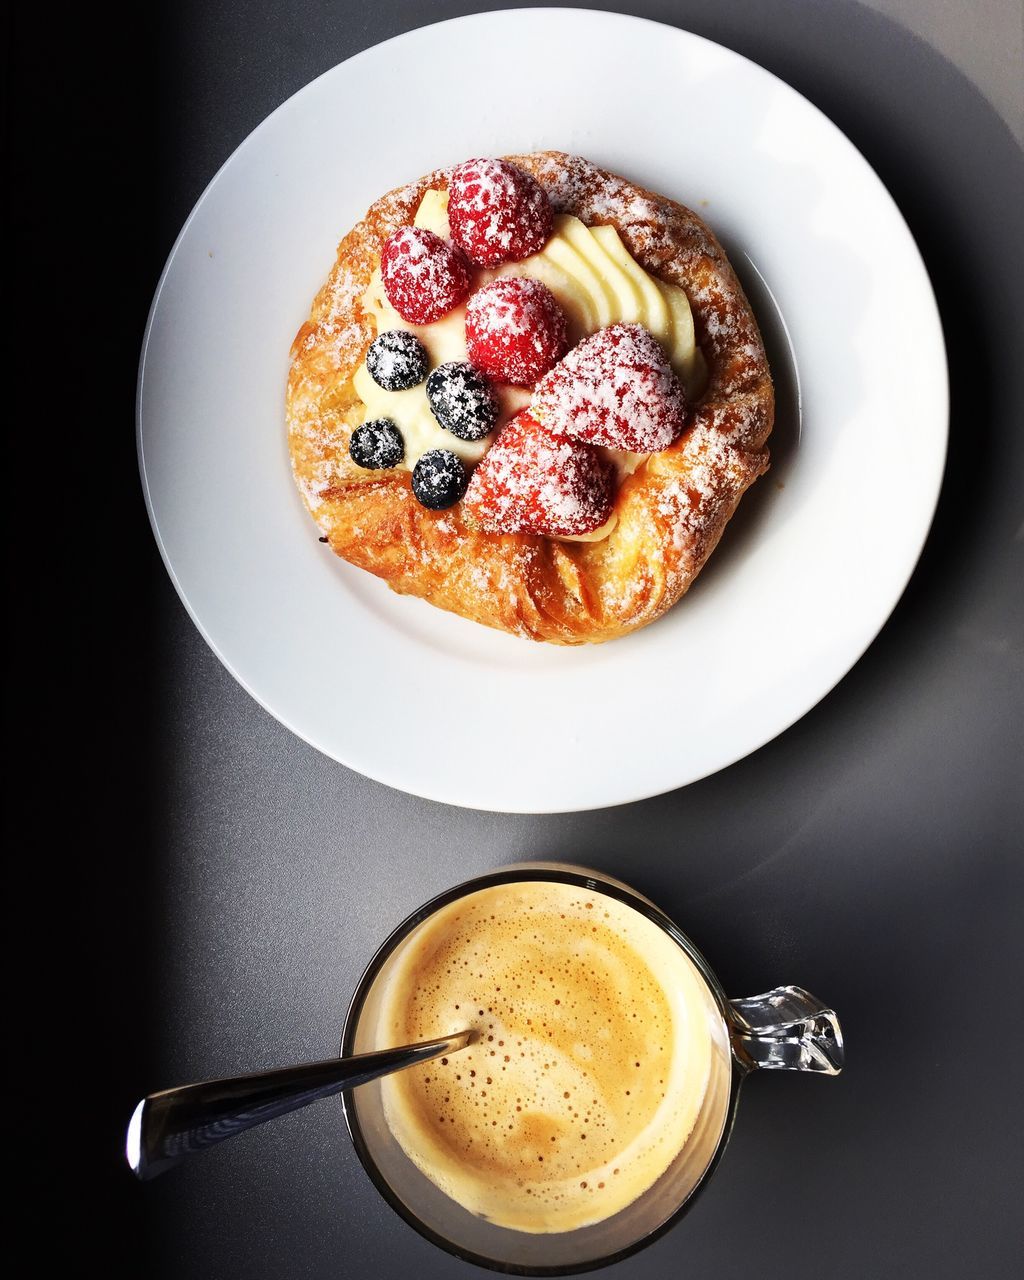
{"x":424,"y":276}
{"x":497,"y":213}
{"x":531,"y":481}
{"x":616,"y":388}
{"x":515,"y":330}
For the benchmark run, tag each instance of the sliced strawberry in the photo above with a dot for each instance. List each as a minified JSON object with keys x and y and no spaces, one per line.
{"x":497,"y":213}
{"x":531,"y":481}
{"x":424,"y":276}
{"x":615,"y":388}
{"x":515,"y":330}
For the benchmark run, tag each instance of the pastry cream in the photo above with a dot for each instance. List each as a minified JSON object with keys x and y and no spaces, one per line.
{"x":597,"y":283}
{"x":597,"y":1045}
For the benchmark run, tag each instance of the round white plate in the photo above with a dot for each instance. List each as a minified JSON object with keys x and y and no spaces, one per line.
{"x":809,"y":569}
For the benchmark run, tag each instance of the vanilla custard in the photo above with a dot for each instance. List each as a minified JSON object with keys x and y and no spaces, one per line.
{"x":598,"y":1044}
{"x":596,"y":281}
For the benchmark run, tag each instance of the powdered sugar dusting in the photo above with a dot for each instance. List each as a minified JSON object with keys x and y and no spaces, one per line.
{"x":424,"y":276}
{"x":515,"y":330}
{"x":497,"y":213}
{"x":576,"y":186}
{"x":615,"y":388}
{"x":531,"y":481}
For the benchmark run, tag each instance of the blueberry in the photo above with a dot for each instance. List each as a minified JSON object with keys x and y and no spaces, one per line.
{"x":377,"y":445}
{"x":461,"y":400}
{"x":439,"y":479}
{"x":396,"y":360}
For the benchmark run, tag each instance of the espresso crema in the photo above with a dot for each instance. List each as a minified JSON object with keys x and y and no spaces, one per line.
{"x":597,"y":1040}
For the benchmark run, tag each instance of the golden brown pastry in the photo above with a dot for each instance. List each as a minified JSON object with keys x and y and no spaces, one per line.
{"x":669,"y":513}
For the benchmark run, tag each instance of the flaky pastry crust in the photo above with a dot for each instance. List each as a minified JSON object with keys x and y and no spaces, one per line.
{"x":671,"y":511}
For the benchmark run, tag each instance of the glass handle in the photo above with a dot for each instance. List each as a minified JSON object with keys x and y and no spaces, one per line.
{"x":787,"y":1029}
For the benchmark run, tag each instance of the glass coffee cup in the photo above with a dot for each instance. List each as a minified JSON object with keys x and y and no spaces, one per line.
{"x":783,"y":1029}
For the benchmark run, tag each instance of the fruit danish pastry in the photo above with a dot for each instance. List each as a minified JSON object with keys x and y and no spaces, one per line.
{"x":531,"y":393}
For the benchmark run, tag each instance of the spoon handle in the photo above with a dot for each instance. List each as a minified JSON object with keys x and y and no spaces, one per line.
{"x":172,"y":1124}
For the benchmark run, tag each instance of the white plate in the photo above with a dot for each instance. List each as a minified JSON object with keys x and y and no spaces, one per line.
{"x":808,"y":571}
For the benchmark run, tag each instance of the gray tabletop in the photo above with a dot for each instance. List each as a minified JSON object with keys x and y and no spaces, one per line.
{"x":871,"y":853}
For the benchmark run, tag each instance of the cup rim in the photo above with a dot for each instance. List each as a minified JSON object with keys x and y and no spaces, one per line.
{"x":560,"y":873}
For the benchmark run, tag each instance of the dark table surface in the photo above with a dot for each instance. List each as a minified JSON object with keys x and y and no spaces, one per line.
{"x":219,"y":885}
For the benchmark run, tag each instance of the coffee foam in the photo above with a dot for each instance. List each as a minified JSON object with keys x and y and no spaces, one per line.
{"x":594,"y":1049}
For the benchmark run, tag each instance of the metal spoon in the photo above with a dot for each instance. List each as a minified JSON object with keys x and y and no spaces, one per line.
{"x":165,"y":1127}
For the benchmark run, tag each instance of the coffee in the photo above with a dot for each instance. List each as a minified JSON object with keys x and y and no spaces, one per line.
{"x":598,"y":1046}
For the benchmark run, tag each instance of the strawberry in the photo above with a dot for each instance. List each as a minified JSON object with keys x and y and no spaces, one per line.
{"x":615,"y":388}
{"x":424,"y":276}
{"x":515,"y":330}
{"x":531,"y":481}
{"x":497,"y":213}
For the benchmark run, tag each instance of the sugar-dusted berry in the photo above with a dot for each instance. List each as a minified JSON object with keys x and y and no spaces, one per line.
{"x":531,"y":481}
{"x":424,"y":276}
{"x":497,"y":213}
{"x":377,"y":445}
{"x":515,"y":330}
{"x":439,"y":479}
{"x":462,"y":400}
{"x":397,"y":360}
{"x":615,"y":388}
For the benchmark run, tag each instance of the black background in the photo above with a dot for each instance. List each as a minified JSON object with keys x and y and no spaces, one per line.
{"x":195,"y":890}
